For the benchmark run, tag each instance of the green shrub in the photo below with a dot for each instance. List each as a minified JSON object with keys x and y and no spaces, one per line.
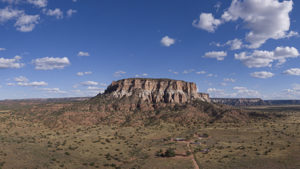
{"x":170,"y":152}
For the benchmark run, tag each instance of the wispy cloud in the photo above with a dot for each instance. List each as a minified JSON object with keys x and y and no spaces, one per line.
{"x":89,"y":83}
{"x":32,"y":84}
{"x":119,"y":73}
{"x":24,"y":81}
{"x":54,"y":90}
{"x":141,"y":75}
{"x":81,"y":53}
{"x":70,"y":12}
{"x":229,"y":80}
{"x":238,"y":91}
{"x":219,"y":55}
{"x":188,"y":71}
{"x":262,"y":74}
{"x":83,"y":73}
{"x":21,"y":79}
{"x":201,"y":72}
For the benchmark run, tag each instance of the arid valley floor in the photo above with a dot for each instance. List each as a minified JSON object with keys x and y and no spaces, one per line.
{"x":149,"y":84}
{"x":261,"y":144}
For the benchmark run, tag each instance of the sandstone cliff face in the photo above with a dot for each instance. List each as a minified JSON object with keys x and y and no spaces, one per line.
{"x":156,"y":90}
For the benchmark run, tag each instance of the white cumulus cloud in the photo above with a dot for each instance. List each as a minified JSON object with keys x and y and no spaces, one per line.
{"x":26,"y":23}
{"x":207,"y":22}
{"x":265,"y":19}
{"x":167,"y":41}
{"x":54,"y":12}
{"x":9,"y":13}
{"x":50,"y":63}
{"x":219,"y":55}
{"x":262,"y":74}
{"x":235,"y":44}
{"x":293,"y":71}
{"x":11,"y":63}
{"x":260,"y":58}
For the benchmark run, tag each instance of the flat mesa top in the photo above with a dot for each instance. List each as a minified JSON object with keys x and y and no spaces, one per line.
{"x":154,"y":79}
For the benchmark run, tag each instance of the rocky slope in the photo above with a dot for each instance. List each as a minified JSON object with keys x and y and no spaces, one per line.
{"x":142,"y":102}
{"x":156,"y":90}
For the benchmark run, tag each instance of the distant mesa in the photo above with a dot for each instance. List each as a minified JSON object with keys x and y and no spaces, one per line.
{"x":239,"y":101}
{"x":156,"y":90}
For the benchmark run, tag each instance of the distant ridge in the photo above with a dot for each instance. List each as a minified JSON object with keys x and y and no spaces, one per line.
{"x":282,"y":102}
{"x":239,"y":101}
{"x":253,"y":101}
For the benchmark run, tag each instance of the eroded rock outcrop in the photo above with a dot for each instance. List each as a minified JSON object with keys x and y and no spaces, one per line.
{"x":156,"y":90}
{"x":138,"y":101}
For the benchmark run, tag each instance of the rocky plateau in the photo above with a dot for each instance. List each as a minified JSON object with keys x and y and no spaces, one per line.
{"x":156,"y":90}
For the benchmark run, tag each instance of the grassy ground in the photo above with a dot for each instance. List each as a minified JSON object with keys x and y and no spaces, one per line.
{"x":273,"y":143}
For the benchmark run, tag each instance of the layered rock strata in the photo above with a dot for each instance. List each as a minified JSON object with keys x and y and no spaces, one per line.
{"x":156,"y":90}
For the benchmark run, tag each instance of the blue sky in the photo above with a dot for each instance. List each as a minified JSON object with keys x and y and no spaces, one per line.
{"x":66,"y":48}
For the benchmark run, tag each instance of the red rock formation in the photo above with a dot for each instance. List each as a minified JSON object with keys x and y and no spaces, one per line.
{"x":156,"y":90}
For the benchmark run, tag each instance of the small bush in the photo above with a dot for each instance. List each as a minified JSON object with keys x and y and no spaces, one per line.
{"x":170,"y":152}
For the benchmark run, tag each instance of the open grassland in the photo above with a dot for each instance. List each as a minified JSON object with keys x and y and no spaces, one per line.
{"x":262,"y":144}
